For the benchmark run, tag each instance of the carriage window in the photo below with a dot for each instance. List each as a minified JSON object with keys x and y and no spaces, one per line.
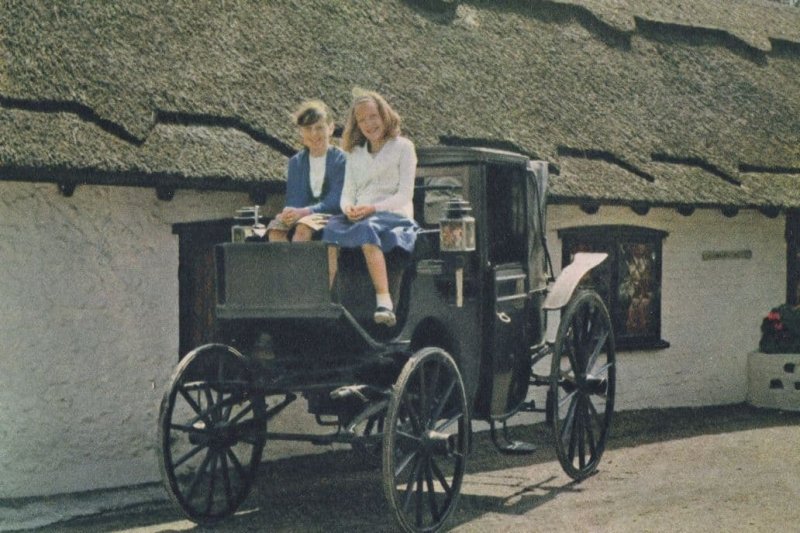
{"x":505,"y":199}
{"x":435,"y":187}
{"x":629,"y":281}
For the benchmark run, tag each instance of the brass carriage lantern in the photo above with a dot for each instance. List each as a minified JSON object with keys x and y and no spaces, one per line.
{"x":247,"y":226}
{"x":457,"y":228}
{"x":456,"y":238}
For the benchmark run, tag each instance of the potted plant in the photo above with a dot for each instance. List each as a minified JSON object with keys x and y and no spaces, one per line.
{"x":773,"y":373}
{"x":780,"y":330}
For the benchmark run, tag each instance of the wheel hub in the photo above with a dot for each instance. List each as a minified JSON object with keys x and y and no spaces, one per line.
{"x":437,"y":443}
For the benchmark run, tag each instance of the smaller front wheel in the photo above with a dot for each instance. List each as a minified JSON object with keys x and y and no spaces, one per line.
{"x":425,"y":441}
{"x":211,"y":433}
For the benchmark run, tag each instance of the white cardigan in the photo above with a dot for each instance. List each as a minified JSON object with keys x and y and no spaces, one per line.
{"x":385,"y":179}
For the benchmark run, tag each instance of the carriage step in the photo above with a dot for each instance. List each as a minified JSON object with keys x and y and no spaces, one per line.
{"x":530,"y":407}
{"x":508,"y":446}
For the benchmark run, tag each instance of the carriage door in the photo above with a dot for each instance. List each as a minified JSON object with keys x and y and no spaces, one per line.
{"x":506,"y":227}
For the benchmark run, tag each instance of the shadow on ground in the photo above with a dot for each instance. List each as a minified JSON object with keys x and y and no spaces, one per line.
{"x":341,"y":491}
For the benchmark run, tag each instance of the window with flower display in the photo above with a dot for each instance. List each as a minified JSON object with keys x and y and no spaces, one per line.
{"x":629,"y":281}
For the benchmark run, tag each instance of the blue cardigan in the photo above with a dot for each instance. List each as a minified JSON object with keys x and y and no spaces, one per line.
{"x":298,"y":182}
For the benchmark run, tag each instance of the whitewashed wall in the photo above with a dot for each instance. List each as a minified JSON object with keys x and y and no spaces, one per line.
{"x":88,"y":330}
{"x":711,"y":310}
{"x":89,"y":322}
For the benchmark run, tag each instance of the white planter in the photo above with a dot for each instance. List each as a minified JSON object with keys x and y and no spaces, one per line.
{"x":773,"y":380}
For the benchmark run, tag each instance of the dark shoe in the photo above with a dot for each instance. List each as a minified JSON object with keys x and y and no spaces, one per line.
{"x":384,"y":316}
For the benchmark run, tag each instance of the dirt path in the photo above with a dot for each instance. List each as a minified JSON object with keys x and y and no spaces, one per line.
{"x":730,"y":468}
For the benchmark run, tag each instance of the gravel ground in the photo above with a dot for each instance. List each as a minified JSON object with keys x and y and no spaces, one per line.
{"x":731,"y":468}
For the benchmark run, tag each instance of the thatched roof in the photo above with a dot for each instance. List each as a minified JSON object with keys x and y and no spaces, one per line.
{"x":666,"y":103}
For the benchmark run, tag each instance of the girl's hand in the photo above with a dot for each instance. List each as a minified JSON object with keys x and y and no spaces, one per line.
{"x":359,"y":212}
{"x":290,"y":215}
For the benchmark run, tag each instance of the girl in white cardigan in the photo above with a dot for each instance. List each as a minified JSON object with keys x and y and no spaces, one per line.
{"x":377,"y":197}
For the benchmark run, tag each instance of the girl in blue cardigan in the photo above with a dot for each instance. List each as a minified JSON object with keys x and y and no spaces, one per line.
{"x":314,"y":179}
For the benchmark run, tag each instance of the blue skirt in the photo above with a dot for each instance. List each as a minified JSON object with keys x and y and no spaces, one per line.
{"x":383,"y":229}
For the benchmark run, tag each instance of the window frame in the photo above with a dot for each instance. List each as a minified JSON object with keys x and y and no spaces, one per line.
{"x":633,"y":245}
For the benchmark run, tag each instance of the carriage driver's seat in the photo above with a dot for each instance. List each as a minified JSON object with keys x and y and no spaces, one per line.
{"x":353,"y":289}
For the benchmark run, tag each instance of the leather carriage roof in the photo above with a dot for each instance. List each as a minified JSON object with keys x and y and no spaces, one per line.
{"x":453,"y":155}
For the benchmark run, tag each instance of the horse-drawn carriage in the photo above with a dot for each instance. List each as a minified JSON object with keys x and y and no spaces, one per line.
{"x":473,"y":299}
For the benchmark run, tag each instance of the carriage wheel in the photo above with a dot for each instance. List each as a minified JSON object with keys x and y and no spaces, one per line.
{"x":426,"y":441}
{"x":211,"y":433}
{"x":582,"y":380}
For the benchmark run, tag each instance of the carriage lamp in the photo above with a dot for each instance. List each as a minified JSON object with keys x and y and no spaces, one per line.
{"x":247,"y":225}
{"x":457,"y":228}
{"x":456,"y":238}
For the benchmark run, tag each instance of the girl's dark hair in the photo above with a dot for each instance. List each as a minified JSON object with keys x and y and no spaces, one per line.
{"x":310,"y":112}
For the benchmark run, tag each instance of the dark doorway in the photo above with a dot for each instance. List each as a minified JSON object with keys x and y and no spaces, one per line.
{"x":196,"y":242}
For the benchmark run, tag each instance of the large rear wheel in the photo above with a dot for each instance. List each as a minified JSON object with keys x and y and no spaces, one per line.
{"x":582,"y":381}
{"x":425,"y":441}
{"x":211,"y":433}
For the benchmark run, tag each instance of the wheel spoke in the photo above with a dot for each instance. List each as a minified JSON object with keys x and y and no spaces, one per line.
{"x":449,"y":422}
{"x":440,"y":477}
{"x":570,"y":416}
{"x":572,"y":428}
{"x":566,"y":399}
{"x":194,"y":405}
{"x":603,"y":369}
{"x":412,"y":415}
{"x":431,"y":492}
{"x":405,"y":462}
{"x":188,"y":455}
{"x":596,"y":351}
{"x":213,"y":473}
{"x":409,"y":495}
{"x":409,"y":436}
{"x":198,"y":474}
{"x":445,"y":398}
{"x":588,"y":423}
{"x":581,"y":438}
{"x":236,"y":463}
{"x":226,"y":479}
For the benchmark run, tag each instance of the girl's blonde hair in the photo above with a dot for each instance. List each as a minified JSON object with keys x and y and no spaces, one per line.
{"x":352,"y":135}
{"x":310,"y":112}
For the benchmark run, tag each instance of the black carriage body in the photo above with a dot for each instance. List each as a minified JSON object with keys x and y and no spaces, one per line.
{"x":468,"y":337}
{"x":282,"y":289}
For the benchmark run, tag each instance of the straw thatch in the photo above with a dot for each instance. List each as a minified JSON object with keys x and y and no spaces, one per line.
{"x":666,"y":103}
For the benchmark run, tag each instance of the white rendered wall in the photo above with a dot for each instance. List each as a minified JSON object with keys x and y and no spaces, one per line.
{"x":711,"y":310}
{"x":88,"y":331}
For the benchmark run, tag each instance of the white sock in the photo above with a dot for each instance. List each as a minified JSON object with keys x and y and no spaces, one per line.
{"x":384,"y":300}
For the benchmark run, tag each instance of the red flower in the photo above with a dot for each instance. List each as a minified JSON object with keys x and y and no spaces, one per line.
{"x":774,"y":315}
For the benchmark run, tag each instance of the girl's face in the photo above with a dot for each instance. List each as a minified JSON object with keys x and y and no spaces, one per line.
{"x":316,"y":137}
{"x":370,"y":122}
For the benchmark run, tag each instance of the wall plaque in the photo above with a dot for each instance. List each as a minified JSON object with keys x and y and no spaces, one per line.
{"x":711,"y":255}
